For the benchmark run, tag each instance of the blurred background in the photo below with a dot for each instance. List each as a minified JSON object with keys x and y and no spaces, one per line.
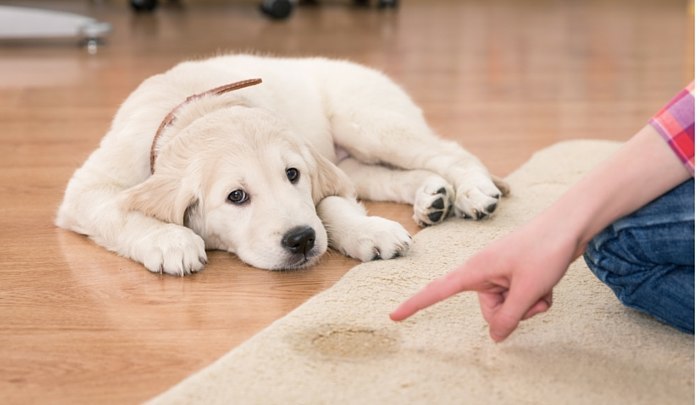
{"x":517,"y":74}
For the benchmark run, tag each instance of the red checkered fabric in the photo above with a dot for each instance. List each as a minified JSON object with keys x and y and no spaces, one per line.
{"x":676,"y":123}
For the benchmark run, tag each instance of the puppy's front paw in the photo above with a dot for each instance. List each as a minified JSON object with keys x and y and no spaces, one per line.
{"x":477,"y":200}
{"x":375,"y":238}
{"x":172,"y":249}
{"x":433,"y":201}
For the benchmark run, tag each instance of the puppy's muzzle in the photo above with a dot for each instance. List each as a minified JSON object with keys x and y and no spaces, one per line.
{"x":299,"y":240}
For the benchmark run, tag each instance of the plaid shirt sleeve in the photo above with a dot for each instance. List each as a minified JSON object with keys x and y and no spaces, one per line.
{"x":676,"y":123}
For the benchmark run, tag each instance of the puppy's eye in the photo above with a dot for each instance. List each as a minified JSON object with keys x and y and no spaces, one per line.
{"x":293,"y":174}
{"x":238,"y":197}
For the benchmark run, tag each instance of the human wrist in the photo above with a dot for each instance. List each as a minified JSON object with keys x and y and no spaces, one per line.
{"x":570,"y":223}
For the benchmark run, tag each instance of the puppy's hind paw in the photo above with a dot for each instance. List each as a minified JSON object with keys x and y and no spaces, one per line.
{"x":477,"y":202}
{"x":433,"y":202}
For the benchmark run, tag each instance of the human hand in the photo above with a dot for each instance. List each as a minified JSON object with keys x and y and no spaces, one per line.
{"x":513,"y":277}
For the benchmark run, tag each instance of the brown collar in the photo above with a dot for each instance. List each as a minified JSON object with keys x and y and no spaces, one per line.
{"x":168,"y":120}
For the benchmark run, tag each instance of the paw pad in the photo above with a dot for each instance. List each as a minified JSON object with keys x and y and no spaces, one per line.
{"x":432,"y":207}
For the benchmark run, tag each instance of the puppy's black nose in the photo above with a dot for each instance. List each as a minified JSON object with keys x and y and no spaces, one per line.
{"x":299,"y":239}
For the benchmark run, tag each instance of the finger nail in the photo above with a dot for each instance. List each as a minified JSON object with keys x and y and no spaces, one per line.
{"x":496,"y":337}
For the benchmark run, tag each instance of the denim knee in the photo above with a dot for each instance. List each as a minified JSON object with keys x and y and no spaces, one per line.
{"x":648,"y":260}
{"x":664,"y":291}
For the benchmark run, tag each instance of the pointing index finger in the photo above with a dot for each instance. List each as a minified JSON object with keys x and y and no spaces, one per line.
{"x":455,"y":282}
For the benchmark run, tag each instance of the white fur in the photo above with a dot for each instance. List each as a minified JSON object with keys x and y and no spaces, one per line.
{"x":315,"y":115}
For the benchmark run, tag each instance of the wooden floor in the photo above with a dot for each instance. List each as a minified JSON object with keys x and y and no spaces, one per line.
{"x":504,"y":78}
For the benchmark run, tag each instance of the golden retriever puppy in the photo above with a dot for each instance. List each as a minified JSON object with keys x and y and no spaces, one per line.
{"x":201,"y":157}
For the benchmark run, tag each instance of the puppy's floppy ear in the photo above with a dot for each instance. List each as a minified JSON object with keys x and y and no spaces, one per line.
{"x":327,"y":179}
{"x":164,"y":197}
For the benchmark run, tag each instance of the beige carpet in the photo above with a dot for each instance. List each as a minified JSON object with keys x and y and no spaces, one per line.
{"x":340,"y":346}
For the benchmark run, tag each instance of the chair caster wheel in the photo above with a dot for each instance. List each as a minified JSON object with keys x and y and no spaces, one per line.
{"x":144,"y":5}
{"x":277,"y":9}
{"x":388,"y":3}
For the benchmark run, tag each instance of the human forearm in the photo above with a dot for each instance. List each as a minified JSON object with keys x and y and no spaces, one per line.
{"x":640,"y":171}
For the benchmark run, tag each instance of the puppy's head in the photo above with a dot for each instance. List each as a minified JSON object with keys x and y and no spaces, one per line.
{"x":245,"y":184}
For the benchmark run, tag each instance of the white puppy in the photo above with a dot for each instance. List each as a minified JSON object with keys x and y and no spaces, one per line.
{"x":202,"y":158}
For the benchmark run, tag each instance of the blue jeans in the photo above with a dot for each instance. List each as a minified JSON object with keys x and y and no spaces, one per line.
{"x":648,"y":258}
